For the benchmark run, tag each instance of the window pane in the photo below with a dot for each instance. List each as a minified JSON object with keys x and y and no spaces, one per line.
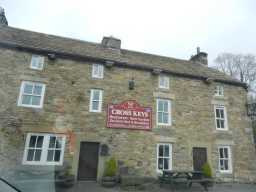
{"x":30,"y":155}
{"x":160,"y":117}
{"x":221,"y":152}
{"x":166,"y":106}
{"x":160,"y":106}
{"x":95,"y":105}
{"x":58,"y":143}
{"x":221,"y":164}
{"x":40,"y":140}
{"x":166,"y":163}
{"x":36,"y":100}
{"x":226,"y":167}
{"x":32,"y":142}
{"x":161,"y":151}
{"x":26,"y":99}
{"x":160,"y":163}
{"x":50,"y":155}
{"x":96,"y":95}
{"x":52,"y":142}
{"x":57,"y":156}
{"x":218,"y":123}
{"x":225,"y":152}
{"x":28,"y":89}
{"x":222,"y":124}
{"x":217,"y":113}
{"x":38,"y":155}
{"x":165,"y":118}
{"x":166,"y":151}
{"x":37,"y":90}
{"x":222,"y":113}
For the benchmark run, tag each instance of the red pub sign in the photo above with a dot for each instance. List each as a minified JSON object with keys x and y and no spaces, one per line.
{"x":129,"y":115}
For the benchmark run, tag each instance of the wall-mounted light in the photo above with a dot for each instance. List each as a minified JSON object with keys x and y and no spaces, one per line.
{"x":131,"y":84}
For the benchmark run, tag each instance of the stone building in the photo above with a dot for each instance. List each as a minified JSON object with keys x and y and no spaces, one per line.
{"x":66,"y":101}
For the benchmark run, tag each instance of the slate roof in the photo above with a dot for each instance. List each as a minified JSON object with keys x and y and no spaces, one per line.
{"x":23,"y":39}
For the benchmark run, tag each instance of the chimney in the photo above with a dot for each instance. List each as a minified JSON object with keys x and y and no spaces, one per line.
{"x":200,"y":57}
{"x":3,"y":20}
{"x":111,"y":42}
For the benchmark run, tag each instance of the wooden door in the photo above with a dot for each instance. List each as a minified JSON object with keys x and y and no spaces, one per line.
{"x":88,"y":161}
{"x":199,"y":158}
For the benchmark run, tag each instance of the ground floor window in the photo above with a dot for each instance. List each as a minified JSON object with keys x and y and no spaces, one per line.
{"x":225,"y":163}
{"x":44,"y":149}
{"x":164,"y":156}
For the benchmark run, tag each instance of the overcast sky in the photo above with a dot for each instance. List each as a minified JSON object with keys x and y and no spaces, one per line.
{"x":166,"y":27}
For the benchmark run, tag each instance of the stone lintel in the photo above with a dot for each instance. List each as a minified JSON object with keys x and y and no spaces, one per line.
{"x":164,"y":95}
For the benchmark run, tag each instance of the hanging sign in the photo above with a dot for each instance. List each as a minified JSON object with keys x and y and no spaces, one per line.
{"x":129,"y":115}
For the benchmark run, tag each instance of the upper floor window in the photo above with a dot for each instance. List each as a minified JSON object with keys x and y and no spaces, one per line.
{"x":164,"y":156}
{"x":97,"y":71}
{"x":221,"y":117}
{"x":163,"y":82}
{"x":225,"y":161}
{"x":219,"y":90}
{"x":163,"y":112}
{"x":37,"y":62}
{"x":31,"y":94}
{"x":96,"y":100}
{"x":44,"y":149}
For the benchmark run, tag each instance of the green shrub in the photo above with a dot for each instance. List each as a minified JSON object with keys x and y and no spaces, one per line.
{"x":207,"y":171}
{"x":110,"y":168}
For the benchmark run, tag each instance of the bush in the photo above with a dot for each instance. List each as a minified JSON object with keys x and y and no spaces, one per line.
{"x":207,"y":171}
{"x":110,"y":168}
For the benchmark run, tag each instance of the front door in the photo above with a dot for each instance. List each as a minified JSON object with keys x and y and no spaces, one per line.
{"x":199,"y":157}
{"x":88,"y":161}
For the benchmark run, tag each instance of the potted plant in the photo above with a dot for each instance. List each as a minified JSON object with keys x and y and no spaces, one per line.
{"x":207,"y":173}
{"x":65,"y":178}
{"x":109,"y":178}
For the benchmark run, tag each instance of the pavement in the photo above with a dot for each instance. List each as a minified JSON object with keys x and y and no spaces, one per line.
{"x":95,"y":187}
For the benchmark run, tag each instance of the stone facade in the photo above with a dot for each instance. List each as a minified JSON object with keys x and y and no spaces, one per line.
{"x":66,"y":110}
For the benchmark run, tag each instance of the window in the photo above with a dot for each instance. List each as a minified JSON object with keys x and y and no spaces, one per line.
{"x":163,"y":112}
{"x":221,"y":117}
{"x":219,"y":91}
{"x":37,"y":62}
{"x":44,"y":149}
{"x":96,"y":100}
{"x":97,"y":71}
{"x":225,"y":162}
{"x":163,"y":82}
{"x":164,"y":157}
{"x":31,"y":94}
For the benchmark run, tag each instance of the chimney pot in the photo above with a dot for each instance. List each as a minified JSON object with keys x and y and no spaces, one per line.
{"x":200,"y":57}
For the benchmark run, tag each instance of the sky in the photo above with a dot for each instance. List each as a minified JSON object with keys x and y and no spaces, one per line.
{"x":171,"y":28}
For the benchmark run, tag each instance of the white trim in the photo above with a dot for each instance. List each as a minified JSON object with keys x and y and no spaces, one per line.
{"x":39,"y":59}
{"x":170,"y":156}
{"x":100,"y":100}
{"x":169,"y":112}
{"x":22,"y":90}
{"x":230,"y":164}
{"x":45,"y":147}
{"x":225,"y":117}
{"x":98,"y":71}
{"x":166,"y":80}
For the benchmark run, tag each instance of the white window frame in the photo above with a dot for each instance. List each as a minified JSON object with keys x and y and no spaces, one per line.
{"x":219,"y":91}
{"x":166,"y":81}
{"x":100,"y":100}
{"x":38,"y":59}
{"x":170,"y":157}
{"x":217,"y":118}
{"x":169,"y":112}
{"x":45,"y":147}
{"x":230,"y":165}
{"x":98,"y":71}
{"x":22,"y":93}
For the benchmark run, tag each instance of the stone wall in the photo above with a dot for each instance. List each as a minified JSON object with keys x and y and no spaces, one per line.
{"x":66,"y":110}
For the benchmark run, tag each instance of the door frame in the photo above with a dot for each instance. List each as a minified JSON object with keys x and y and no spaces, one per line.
{"x":192,"y":152}
{"x":78,"y":159}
